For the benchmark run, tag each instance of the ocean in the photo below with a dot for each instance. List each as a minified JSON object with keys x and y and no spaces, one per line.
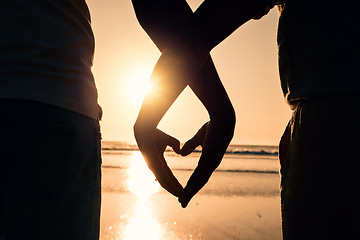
{"x":238,"y":158}
{"x":258,"y":162}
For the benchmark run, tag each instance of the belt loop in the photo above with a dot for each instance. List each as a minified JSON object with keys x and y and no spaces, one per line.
{"x":100,"y":113}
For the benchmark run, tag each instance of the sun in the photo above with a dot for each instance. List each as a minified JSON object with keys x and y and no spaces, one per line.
{"x":138,"y":85}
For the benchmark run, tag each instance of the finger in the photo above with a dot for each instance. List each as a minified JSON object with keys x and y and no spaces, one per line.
{"x":187,"y":194}
{"x":168,"y":182}
{"x":196,"y":182}
{"x":195,"y":141}
{"x":184,"y":200}
{"x":166,"y":178}
{"x":174,"y":144}
{"x":189,"y":147}
{"x":164,"y":140}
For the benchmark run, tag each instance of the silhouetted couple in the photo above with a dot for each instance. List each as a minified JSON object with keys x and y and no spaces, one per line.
{"x":50,"y":145}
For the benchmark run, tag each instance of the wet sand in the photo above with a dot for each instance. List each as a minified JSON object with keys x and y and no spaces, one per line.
{"x":231,"y":206}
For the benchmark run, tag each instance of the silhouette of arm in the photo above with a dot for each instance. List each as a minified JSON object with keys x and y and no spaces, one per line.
{"x":211,"y":24}
{"x":161,"y":19}
{"x":186,"y":61}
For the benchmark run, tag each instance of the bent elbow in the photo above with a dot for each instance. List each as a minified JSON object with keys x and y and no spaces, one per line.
{"x":139,"y":130}
{"x":136,"y":131}
{"x":143,"y":131}
{"x":231,"y":122}
{"x":228,"y":118}
{"x":231,"y":118}
{"x":225,"y":121}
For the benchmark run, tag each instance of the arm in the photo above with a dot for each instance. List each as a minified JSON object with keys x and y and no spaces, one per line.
{"x":154,"y":107}
{"x":161,"y":20}
{"x":215,"y":136}
{"x":180,"y":65}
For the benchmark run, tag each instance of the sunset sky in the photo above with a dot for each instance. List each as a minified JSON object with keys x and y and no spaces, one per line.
{"x":246,"y":62}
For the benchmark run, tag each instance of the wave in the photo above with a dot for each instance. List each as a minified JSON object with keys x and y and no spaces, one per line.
{"x":217,"y":170}
{"x":234,"y":149}
{"x":229,"y":151}
{"x":231,"y":170}
{"x":247,"y":152}
{"x":122,"y":148}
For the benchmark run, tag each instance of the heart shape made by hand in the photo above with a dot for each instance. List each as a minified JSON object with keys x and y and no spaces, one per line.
{"x":161,"y":170}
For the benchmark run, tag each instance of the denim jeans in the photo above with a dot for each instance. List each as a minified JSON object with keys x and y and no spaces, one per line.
{"x":50,"y":173}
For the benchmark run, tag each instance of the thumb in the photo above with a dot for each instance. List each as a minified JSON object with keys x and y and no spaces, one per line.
{"x":189,"y":147}
{"x":187,"y":194}
{"x":174,"y":143}
{"x":167,"y":140}
{"x":195,"y":141}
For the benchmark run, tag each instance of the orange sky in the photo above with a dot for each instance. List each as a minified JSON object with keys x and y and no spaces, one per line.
{"x":246,"y":62}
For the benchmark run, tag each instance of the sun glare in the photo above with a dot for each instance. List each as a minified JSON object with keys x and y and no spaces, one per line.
{"x":142,"y":224}
{"x":141,"y":181}
{"x":138,"y":85}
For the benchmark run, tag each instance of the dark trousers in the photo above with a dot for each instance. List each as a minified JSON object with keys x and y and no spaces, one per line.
{"x":320,"y":182}
{"x":50,"y":173}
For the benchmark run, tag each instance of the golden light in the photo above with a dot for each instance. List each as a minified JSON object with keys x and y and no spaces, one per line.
{"x":141,"y":182}
{"x":138,"y":85}
{"x":142,"y":225}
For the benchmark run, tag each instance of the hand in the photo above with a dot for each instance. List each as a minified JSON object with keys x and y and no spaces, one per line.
{"x":214,"y":137}
{"x":153,"y":146}
{"x":164,"y":174}
{"x":163,"y":140}
{"x":195,"y":141}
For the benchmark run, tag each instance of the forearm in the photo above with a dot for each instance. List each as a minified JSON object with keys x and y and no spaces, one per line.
{"x":178,"y":66}
{"x":169,"y":78}
{"x":185,"y":61}
{"x":215,"y":20}
{"x":188,"y":54}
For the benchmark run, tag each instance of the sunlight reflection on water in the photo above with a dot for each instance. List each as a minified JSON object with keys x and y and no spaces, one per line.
{"x":142,"y":182}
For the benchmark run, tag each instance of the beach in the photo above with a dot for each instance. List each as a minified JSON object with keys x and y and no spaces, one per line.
{"x":241,"y":200}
